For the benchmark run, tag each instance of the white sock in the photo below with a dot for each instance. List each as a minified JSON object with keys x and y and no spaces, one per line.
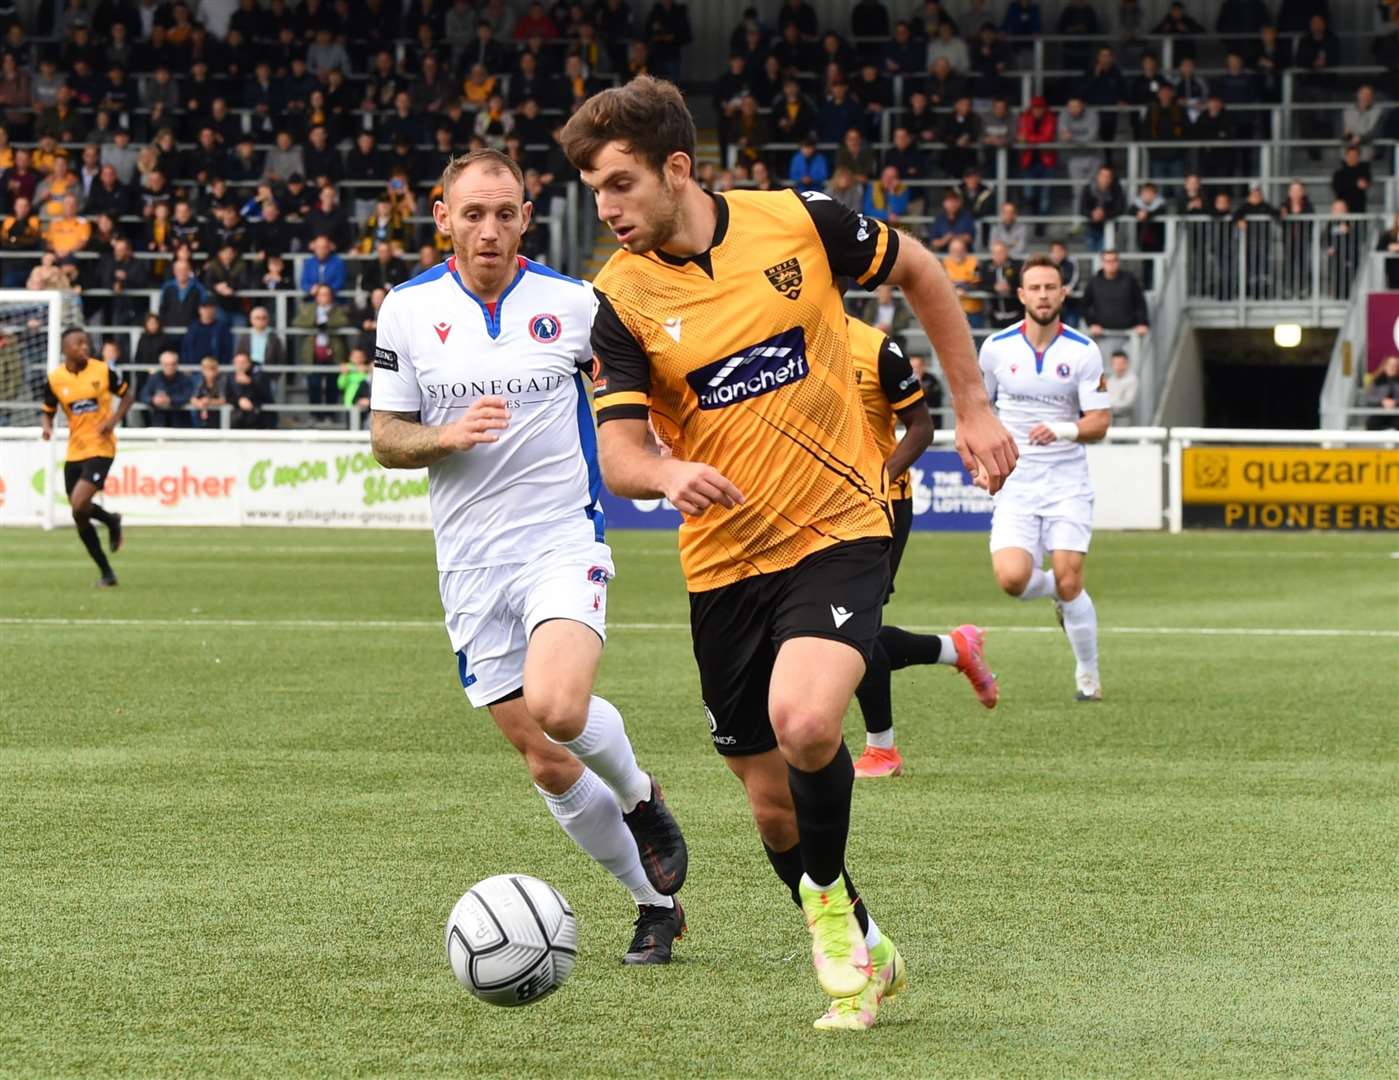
{"x":590,"y":815}
{"x":882,"y":740}
{"x":603,"y":747}
{"x":1041,"y":585}
{"x":806,"y":878}
{"x":1081,"y":624}
{"x":872,"y":936}
{"x":948,"y":653}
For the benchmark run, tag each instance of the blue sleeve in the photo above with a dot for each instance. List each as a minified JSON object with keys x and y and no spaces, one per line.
{"x":820,"y":171}
{"x":335,"y":274}
{"x":796,"y":167}
{"x":308,"y":278}
{"x":225,"y":340}
{"x":181,"y":391}
{"x":187,"y":349}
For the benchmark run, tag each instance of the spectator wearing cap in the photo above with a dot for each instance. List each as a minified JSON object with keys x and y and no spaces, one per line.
{"x":324,"y":267}
{"x":166,"y":392}
{"x":1037,"y":127}
{"x":808,"y":169}
{"x":208,"y":335}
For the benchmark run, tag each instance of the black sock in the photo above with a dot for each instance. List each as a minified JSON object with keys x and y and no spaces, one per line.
{"x":788,"y":866}
{"x":88,"y":535}
{"x":97,"y":513}
{"x":874,"y":693}
{"x":904,"y":649}
{"x":822,"y":799}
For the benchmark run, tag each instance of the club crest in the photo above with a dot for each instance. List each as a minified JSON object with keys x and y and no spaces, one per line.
{"x":786,"y":278}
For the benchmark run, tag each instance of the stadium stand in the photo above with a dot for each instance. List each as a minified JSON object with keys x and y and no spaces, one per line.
{"x":219,"y":164}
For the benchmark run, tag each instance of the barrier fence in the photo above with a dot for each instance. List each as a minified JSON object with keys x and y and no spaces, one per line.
{"x":1144,"y":478}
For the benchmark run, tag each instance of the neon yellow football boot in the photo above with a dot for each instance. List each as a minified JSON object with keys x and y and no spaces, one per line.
{"x":838,"y":949}
{"x":859,"y":1012}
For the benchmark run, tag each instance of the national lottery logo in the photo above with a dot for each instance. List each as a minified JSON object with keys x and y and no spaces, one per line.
{"x":545,"y":328}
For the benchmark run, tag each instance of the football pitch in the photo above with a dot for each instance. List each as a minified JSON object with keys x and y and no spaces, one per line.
{"x":242,"y":792}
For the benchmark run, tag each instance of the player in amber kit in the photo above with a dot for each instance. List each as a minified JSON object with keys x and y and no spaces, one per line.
{"x":83,"y":388}
{"x":890,"y":392}
{"x":721,"y":320}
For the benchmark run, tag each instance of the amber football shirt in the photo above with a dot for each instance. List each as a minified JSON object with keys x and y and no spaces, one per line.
{"x":741,"y":357}
{"x":86,"y":399}
{"x":887,"y":386}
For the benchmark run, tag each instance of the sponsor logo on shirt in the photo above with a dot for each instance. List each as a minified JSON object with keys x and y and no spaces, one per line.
{"x":457,"y":392}
{"x":752,"y":371}
{"x":385,"y":359}
{"x":84,"y":405}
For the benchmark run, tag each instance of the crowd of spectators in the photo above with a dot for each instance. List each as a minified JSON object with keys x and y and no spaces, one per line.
{"x":201,"y":149}
{"x":226,"y":154}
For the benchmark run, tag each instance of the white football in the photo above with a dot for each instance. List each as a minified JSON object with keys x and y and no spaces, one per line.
{"x":512,"y":939}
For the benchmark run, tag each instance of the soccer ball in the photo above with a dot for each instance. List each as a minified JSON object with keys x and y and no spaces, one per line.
{"x":512,"y":939}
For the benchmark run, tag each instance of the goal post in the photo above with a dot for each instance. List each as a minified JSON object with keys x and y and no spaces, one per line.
{"x":31,"y":322}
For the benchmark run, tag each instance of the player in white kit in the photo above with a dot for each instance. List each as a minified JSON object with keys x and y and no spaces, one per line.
{"x":1047,"y":382}
{"x":481,"y":374}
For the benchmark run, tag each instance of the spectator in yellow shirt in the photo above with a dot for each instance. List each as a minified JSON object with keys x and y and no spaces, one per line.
{"x":48,"y":196}
{"x":478,"y":87}
{"x":68,"y":232}
{"x":962,"y":268}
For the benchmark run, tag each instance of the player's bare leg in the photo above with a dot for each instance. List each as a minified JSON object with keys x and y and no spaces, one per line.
{"x":85,"y":511}
{"x":560,"y":666}
{"x":1080,"y":621}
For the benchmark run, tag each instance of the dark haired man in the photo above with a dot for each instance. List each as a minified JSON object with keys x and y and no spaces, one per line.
{"x":785,"y":545}
{"x":1048,"y":385}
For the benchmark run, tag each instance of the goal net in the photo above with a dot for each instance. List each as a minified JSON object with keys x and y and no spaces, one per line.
{"x":30,"y":324}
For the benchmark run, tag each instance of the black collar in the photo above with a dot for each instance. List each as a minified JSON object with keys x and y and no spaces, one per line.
{"x":703,"y":260}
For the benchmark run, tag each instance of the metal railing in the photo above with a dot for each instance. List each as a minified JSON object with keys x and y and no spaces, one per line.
{"x":1340,"y":406}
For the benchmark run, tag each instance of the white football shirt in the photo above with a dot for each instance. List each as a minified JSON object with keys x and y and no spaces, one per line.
{"x":439,"y":349}
{"x":1029,"y":388}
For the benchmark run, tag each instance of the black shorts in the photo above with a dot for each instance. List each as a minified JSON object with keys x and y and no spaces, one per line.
{"x":902,"y":510}
{"x":837,"y":593}
{"x":94,"y":470}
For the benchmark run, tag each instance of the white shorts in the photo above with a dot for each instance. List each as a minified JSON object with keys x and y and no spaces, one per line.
{"x":1066,"y":525}
{"x":491,"y":612}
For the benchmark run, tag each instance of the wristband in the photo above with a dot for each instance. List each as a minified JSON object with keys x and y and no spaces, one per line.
{"x":1064,"y":430}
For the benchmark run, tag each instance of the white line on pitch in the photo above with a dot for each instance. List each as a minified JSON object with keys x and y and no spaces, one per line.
{"x":423,"y":624}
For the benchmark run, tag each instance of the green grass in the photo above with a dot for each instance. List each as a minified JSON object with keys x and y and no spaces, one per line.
{"x":228,"y":848}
